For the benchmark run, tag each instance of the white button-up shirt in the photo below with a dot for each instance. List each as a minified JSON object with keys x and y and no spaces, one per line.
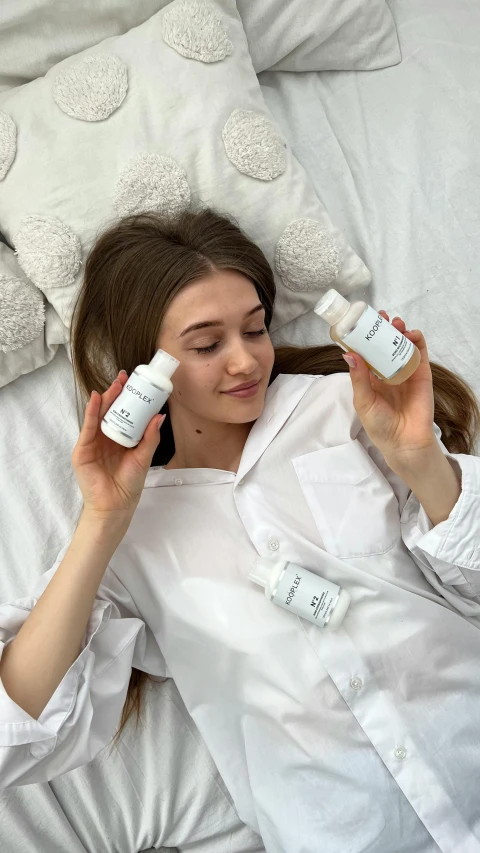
{"x":362,"y":739}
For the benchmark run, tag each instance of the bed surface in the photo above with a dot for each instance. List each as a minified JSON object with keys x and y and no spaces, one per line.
{"x":159,"y":790}
{"x":394,"y":157}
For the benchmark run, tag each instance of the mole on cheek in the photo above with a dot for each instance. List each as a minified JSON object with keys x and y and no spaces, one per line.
{"x":199,"y":431}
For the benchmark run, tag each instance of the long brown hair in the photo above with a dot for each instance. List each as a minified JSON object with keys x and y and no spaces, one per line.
{"x":134,"y":271}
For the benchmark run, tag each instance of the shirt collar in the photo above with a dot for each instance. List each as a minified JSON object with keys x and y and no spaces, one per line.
{"x":282,"y":397}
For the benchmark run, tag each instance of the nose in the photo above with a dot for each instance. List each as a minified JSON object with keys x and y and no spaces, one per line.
{"x":240,"y":359}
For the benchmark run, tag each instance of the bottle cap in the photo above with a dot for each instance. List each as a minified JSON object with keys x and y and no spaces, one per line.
{"x":332,"y":307}
{"x":262,"y":570}
{"x":164,"y":363}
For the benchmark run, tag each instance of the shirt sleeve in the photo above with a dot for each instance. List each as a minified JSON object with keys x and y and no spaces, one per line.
{"x":448,"y":554}
{"x":451,"y":549}
{"x":84,"y":712}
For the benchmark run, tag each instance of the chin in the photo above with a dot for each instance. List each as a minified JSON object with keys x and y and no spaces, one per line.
{"x":245,"y":411}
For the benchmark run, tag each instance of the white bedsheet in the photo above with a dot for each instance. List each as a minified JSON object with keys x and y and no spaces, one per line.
{"x":159,"y":790}
{"x":394,"y":156}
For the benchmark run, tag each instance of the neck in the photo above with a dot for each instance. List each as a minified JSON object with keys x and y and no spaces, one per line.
{"x":206,"y":444}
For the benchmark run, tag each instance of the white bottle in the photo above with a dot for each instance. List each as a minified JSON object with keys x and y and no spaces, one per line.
{"x":359,"y":328}
{"x":302,"y":592}
{"x":142,"y":397}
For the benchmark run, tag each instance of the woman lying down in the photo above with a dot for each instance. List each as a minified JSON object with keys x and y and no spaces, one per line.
{"x":363,"y":738}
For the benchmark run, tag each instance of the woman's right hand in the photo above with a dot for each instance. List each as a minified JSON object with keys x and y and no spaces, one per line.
{"x":111,"y":477}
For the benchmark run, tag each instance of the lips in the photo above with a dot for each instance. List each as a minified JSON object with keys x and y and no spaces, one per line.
{"x":241,"y":387}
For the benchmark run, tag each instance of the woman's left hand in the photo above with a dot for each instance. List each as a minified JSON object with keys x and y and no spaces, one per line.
{"x":397,"y":418}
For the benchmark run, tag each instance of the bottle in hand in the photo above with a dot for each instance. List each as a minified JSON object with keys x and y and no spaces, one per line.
{"x":144,"y":394}
{"x":357,"y":327}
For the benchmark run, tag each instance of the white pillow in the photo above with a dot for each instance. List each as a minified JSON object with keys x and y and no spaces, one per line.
{"x":292,"y":35}
{"x":138,"y":123}
{"x":30,"y":328}
{"x":320,"y":35}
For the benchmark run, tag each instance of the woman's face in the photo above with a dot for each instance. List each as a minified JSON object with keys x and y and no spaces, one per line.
{"x":215,"y":327}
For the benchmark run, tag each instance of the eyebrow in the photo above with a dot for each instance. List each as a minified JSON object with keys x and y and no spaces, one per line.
{"x":208,"y":323}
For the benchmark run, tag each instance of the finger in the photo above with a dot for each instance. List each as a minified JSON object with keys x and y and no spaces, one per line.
{"x":363,"y":393}
{"x":96,"y":408}
{"x":145,"y":449}
{"x":90,"y":420}
{"x":112,"y":393}
{"x":399,"y":324}
{"x":417,"y":338}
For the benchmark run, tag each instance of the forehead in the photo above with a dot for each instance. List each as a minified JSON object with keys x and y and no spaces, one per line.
{"x":222,"y":295}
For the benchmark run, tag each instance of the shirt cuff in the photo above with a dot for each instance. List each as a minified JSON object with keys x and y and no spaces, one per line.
{"x":16,"y":725}
{"x":456,"y":540}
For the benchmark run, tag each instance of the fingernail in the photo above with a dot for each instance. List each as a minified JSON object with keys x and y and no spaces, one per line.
{"x":123,"y":371}
{"x":350,"y":359}
{"x":160,"y":421}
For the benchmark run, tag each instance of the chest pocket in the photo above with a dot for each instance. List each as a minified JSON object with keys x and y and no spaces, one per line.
{"x":353,"y":505}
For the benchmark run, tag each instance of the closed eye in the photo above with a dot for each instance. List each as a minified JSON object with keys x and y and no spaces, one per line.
{"x":214,"y":346}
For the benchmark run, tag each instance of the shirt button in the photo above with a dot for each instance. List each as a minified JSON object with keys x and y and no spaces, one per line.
{"x":400,"y":753}
{"x":178,"y":481}
{"x":274,"y":544}
{"x":356,"y":683}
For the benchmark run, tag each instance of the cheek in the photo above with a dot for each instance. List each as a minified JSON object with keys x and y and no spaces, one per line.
{"x":198,"y":377}
{"x":267,"y":356}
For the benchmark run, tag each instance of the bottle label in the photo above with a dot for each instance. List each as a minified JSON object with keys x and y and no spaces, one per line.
{"x":135,"y":406}
{"x":379,"y":343}
{"x":306,"y":594}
